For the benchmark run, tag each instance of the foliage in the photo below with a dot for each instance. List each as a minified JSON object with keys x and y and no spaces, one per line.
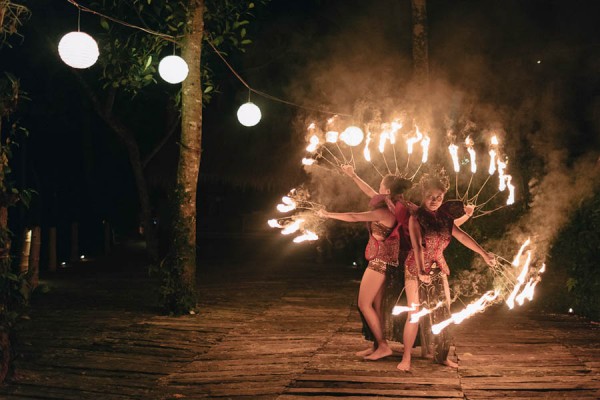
{"x":12,"y":16}
{"x":572,"y":279}
{"x":130,"y":57}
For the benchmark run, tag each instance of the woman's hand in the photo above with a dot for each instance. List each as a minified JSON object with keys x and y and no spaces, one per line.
{"x":490,"y":258}
{"x":322,"y":213}
{"x":425,"y":278}
{"x":469,"y":208}
{"x":348,"y":170}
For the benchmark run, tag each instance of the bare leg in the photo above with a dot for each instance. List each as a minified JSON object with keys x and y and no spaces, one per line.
{"x":378,"y":310}
{"x":448,"y":362}
{"x":370,"y":286}
{"x":410,"y":329}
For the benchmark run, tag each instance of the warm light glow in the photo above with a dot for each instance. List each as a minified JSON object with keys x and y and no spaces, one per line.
{"x":366,"y":151}
{"x":383,"y":137}
{"x":494,"y":140}
{"x":308,"y":161}
{"x":293,"y":227}
{"x":425,"y":146}
{"x":397,"y":310}
{"x":411,"y":141}
{"x":511,"y":191}
{"x":517,"y":260}
{"x":78,"y":50}
{"x":273,"y":223}
{"x":492,"y":168}
{"x":501,"y":177}
{"x":249,"y":114}
{"x":454,"y":154}
{"x":510,"y":302}
{"x":331,"y":136}
{"x":287,"y":206}
{"x":307,"y":236}
{"x":352,"y":136}
{"x":473,"y":308}
{"x":469,"y":143}
{"x":174,"y":69}
{"x":314,"y":143}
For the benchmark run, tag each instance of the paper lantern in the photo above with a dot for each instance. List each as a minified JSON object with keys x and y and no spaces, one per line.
{"x":249,"y":114}
{"x":352,"y":136}
{"x":78,"y":50}
{"x":173,"y":69}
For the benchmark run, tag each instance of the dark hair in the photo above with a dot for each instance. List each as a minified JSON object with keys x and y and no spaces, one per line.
{"x":438,"y":181}
{"x":396,"y":184}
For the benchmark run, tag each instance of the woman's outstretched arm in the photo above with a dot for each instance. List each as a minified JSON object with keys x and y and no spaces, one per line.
{"x":381,"y":215}
{"x":362,"y":185}
{"x":470,"y":243}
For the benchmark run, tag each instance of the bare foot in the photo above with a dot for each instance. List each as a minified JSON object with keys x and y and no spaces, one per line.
{"x":404,"y":365}
{"x":364,"y":353}
{"x":450,"y":363}
{"x":381,"y":352}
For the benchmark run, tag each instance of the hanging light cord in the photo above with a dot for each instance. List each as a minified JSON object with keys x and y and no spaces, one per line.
{"x":174,"y":39}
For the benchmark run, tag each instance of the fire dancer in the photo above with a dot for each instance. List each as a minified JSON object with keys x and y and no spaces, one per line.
{"x":431,"y":228}
{"x":383,"y":247}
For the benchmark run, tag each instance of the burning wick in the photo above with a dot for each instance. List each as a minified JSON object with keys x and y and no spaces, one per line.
{"x":454,"y":154}
{"x":469,"y":143}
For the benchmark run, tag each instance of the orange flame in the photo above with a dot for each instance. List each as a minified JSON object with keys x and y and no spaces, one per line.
{"x":411,"y":141}
{"x":454,"y":154}
{"x":306,"y":236}
{"x":273,"y":223}
{"x":366,"y":151}
{"x":331,"y":136}
{"x":469,"y":143}
{"x":473,"y":308}
{"x":314,"y":142}
{"x":293,"y":227}
{"x":308,"y":161}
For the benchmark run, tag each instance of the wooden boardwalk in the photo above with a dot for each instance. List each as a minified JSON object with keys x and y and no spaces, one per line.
{"x":283,"y":331}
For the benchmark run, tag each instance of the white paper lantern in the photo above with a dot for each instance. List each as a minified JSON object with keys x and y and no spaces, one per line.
{"x":248,"y":114}
{"x":173,"y":69}
{"x":78,"y":50}
{"x":352,"y":136}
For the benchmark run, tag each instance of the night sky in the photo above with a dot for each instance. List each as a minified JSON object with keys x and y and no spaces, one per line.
{"x":529,"y":67}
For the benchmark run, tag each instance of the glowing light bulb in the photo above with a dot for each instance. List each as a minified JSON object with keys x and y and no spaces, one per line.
{"x":249,"y":114}
{"x":78,"y":50}
{"x":173,"y":69}
{"x":352,"y":136}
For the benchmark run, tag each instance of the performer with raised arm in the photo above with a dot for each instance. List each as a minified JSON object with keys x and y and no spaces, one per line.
{"x":382,"y":251}
{"x":431,"y":228}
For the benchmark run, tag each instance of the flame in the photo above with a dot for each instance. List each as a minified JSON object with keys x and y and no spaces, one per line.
{"x":501,"y":177}
{"x":366,"y":151}
{"x":510,"y":302}
{"x":383,"y":137}
{"x":492,"y":168}
{"x":511,"y":190}
{"x":293,"y":227}
{"x":331,"y":136}
{"x":288,"y":205}
{"x":473,"y":308}
{"x":517,"y":259}
{"x":273,"y":223}
{"x":411,"y":141}
{"x":469,"y":143}
{"x":312,"y":126}
{"x":397,"y":310}
{"x":543,"y":269}
{"x":308,"y":161}
{"x":527,"y":292}
{"x":454,"y":153}
{"x":425,"y":146}
{"x":494,"y":140}
{"x":416,"y":316}
{"x":307,"y":235}
{"x":314,"y":142}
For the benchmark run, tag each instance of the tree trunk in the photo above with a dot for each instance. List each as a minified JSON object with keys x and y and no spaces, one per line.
{"x":182,"y":262}
{"x":420,"y":43}
{"x":52,"y":249}
{"x":25,"y":251}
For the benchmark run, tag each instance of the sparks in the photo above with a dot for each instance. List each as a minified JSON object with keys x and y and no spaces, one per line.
{"x":454,"y":154}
